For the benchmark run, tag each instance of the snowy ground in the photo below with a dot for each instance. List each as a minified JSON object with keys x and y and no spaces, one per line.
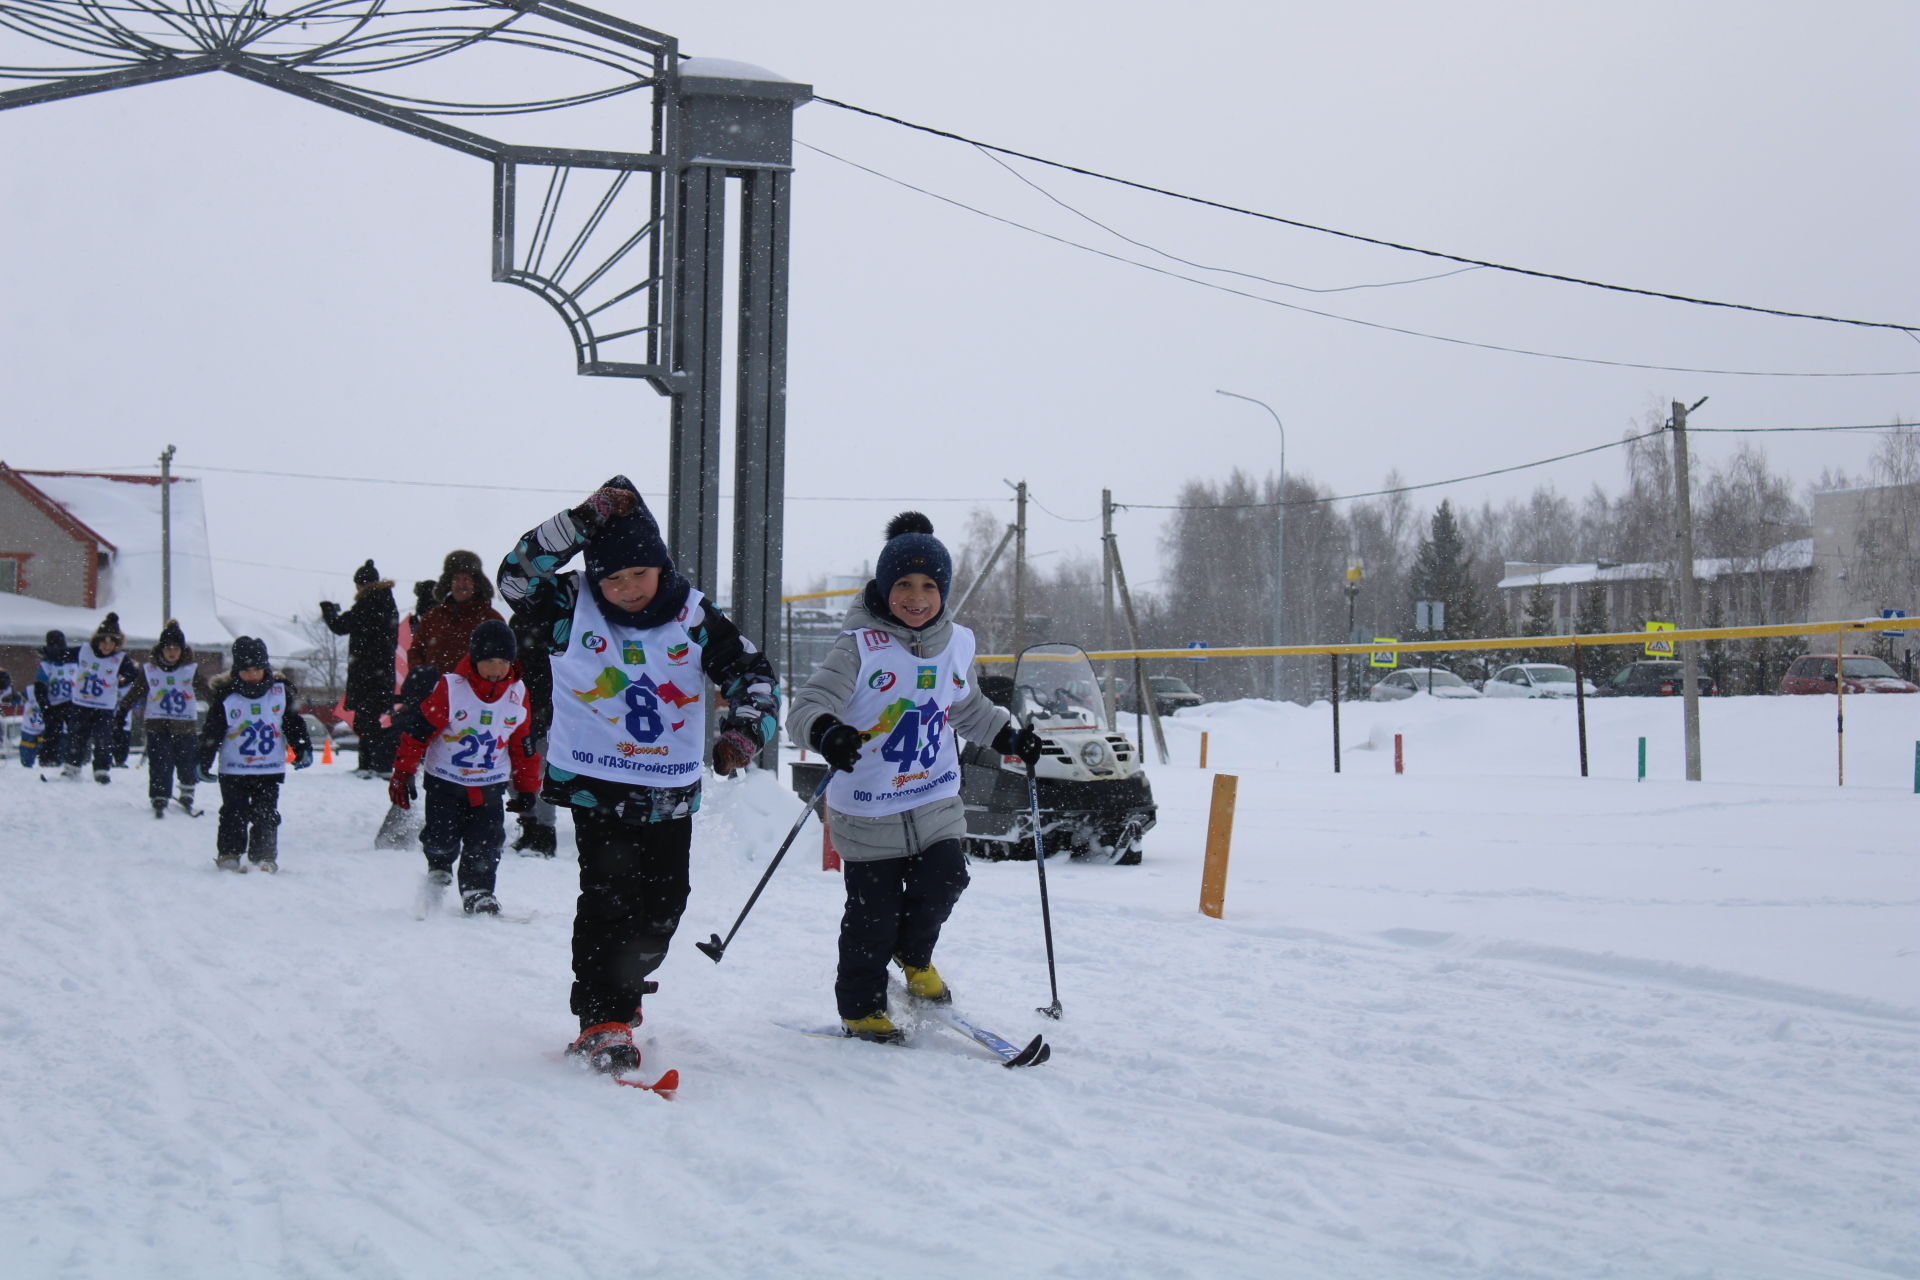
{"x":1484,"y":1020}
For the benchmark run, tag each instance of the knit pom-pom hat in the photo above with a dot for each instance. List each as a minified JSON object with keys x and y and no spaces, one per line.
{"x":912,"y":548}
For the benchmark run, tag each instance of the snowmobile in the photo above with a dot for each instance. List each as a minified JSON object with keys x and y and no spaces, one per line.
{"x":1095,"y":801}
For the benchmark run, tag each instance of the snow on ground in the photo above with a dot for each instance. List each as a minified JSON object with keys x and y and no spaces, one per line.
{"x":1484,"y":1020}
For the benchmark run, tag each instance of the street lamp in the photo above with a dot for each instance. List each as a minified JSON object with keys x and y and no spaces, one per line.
{"x":1354,"y":574}
{"x":1280,"y":539}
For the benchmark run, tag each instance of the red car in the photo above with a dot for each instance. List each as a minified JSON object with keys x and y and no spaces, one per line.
{"x":1813,"y":673}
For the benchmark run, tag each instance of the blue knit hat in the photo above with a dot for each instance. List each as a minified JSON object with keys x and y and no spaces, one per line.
{"x":912,"y":548}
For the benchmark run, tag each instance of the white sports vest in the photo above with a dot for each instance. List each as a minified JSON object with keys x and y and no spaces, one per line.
{"x":472,"y":749}
{"x":901,"y":702}
{"x":627,"y":703}
{"x":253,"y":744}
{"x":169,"y":693}
{"x":34,"y":721}
{"x":96,"y":681}
{"x":59,"y":683}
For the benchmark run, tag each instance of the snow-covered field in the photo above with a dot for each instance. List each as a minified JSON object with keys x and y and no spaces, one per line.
{"x":1487,"y":1019}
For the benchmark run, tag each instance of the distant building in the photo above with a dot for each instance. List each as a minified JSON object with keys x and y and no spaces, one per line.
{"x":75,"y":544}
{"x":1869,"y":551}
{"x":1773,"y":587}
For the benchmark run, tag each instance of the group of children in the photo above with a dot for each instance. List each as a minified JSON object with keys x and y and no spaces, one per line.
{"x":630,"y":645}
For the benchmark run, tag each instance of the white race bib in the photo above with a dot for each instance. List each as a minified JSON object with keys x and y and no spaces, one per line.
{"x":627,"y":703}
{"x":253,"y":744}
{"x":472,"y":749}
{"x":170,"y":693}
{"x":901,"y":702}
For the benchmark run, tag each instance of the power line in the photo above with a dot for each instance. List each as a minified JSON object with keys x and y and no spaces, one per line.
{"x":1372,"y":240}
{"x":1332,"y":315}
{"x":1884,"y":426}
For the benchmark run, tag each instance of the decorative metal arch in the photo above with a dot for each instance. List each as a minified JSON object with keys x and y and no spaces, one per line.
{"x":627,"y":246}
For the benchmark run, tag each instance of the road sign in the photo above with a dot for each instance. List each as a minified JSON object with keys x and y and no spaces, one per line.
{"x":1196,"y":657}
{"x":1429,"y":615}
{"x":1385,"y":658}
{"x":1893,"y":613}
{"x":1659,"y":648}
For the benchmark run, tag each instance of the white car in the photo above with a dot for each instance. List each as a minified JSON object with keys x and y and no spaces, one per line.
{"x":1411,"y":680}
{"x":1536,"y":680}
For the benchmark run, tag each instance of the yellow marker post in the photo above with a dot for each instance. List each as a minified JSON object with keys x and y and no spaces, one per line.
{"x":1203,"y":748}
{"x":1213,"y":877}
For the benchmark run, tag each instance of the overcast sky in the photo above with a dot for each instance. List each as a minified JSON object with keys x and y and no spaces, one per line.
{"x":272,"y":286}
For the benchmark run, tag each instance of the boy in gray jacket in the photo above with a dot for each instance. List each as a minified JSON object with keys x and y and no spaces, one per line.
{"x":882,"y":710}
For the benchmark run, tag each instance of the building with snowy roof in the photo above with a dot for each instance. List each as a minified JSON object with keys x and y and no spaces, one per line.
{"x":1772,"y":587}
{"x":75,"y":545}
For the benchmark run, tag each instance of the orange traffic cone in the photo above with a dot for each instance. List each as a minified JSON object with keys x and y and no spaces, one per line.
{"x":326,"y":751}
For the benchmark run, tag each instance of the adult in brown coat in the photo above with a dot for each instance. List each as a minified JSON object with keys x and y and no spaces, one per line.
{"x":464,"y":600}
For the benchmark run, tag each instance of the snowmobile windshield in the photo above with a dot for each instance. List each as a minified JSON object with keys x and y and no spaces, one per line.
{"x":1054,"y":690}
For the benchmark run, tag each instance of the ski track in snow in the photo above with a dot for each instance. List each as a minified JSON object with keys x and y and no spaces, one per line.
{"x":1445,"y":1030}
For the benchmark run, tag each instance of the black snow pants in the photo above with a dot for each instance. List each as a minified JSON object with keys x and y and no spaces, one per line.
{"x":458,"y":829}
{"x":170,"y":757}
{"x":633,"y":888}
{"x":90,"y":732}
{"x":249,"y":817}
{"x":895,"y":907}
{"x":53,"y":738}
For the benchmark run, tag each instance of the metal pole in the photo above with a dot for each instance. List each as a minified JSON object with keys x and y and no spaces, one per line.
{"x":1106,"y":595}
{"x":1336,"y":712}
{"x":1020,"y":568}
{"x":1689,"y":657}
{"x":1143,"y":697}
{"x":166,"y":535}
{"x":1280,"y":545}
{"x":1580,"y":706}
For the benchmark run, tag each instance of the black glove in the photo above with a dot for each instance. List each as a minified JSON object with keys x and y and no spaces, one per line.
{"x":329,"y":610}
{"x":400,"y":789}
{"x":520,"y":802}
{"x":303,"y":758}
{"x":1023,"y":742}
{"x":206,"y":773}
{"x":839,"y":743}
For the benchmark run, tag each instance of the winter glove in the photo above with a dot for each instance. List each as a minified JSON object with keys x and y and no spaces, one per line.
{"x":206,"y":773}
{"x":1023,"y":742}
{"x":520,"y":802}
{"x":732,"y":752}
{"x":604,"y":503}
{"x":400,"y":790}
{"x":839,"y":743}
{"x":330,"y":611}
{"x":302,"y":759}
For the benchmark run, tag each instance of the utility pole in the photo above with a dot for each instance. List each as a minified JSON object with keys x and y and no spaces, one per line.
{"x":1020,"y":568}
{"x":1689,"y":658}
{"x":1106,"y":596}
{"x":166,"y":536}
{"x":1279,"y":547}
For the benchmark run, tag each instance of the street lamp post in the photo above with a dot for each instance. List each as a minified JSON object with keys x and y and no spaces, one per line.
{"x":1280,"y":540}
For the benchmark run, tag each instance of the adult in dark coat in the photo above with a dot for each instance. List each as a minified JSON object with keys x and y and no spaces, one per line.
{"x":464,"y":600}
{"x":372,"y":628}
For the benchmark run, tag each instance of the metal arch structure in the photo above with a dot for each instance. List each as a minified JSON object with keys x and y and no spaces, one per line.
{"x":627,"y":246}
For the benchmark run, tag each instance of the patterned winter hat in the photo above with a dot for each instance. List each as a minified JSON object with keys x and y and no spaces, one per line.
{"x":912,"y":548}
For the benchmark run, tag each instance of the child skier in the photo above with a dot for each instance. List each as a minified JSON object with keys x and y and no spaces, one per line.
{"x":33,"y":726}
{"x":474,"y":734}
{"x":631,"y":641}
{"x":53,"y":691}
{"x":882,"y":710}
{"x":163,"y":684}
{"x":101,"y":670}
{"x":249,"y":726}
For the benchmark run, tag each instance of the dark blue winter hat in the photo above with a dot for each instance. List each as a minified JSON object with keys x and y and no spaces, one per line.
{"x":366,"y":575}
{"x":249,"y":651}
{"x":56,"y":646}
{"x":629,"y":541}
{"x":912,"y":548}
{"x":492,"y":639}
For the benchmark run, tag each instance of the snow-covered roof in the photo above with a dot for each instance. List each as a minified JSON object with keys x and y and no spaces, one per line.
{"x":1797,"y":554}
{"x":126,"y":512}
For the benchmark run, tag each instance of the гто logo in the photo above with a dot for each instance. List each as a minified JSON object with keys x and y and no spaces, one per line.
{"x":880,"y":680}
{"x":593,"y":642}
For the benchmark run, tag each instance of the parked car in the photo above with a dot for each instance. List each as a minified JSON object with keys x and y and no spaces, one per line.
{"x":1535,"y":680}
{"x":1411,"y":680}
{"x":1170,"y":694}
{"x":1660,"y":678}
{"x":1813,"y":673}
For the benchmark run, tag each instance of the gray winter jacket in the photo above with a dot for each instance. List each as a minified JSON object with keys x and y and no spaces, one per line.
{"x":863,"y":839}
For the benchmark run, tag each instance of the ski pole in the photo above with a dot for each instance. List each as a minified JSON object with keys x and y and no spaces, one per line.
{"x":714,"y":948}
{"x":1046,"y":916}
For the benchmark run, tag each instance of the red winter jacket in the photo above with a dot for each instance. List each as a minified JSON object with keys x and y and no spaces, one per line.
{"x":433,"y":710}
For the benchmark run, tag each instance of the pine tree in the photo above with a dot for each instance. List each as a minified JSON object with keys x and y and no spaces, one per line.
{"x":1443,"y":571}
{"x":1598,"y":664}
{"x":1539,"y":620}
